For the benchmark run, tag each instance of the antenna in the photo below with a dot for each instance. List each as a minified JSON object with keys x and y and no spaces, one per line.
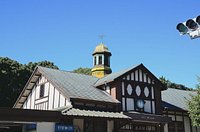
{"x":101,"y":36}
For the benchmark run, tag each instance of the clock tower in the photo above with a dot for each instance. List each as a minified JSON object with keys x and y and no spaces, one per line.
{"x":101,"y":61}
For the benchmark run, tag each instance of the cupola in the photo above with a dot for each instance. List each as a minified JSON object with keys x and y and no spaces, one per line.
{"x":101,"y":61}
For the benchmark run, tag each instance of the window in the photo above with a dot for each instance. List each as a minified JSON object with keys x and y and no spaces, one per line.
{"x":100,"y":60}
{"x":106,"y":61}
{"x":176,"y":127}
{"x":107,"y":88}
{"x":95,"y":60}
{"x":41,"y":90}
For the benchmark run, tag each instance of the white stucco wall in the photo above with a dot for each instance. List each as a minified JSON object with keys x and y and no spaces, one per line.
{"x":52,"y":99}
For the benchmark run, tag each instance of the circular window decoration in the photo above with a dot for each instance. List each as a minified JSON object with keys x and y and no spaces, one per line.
{"x":129,"y":89}
{"x":146,"y":91}
{"x":140,"y":103}
{"x":138,"y":90}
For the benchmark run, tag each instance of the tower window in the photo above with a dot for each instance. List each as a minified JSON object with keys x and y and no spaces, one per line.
{"x":95,"y":60}
{"x":41,"y":90}
{"x":100,"y":60}
{"x":106,"y":61}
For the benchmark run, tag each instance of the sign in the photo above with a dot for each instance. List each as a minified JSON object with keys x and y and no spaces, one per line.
{"x":63,"y":128}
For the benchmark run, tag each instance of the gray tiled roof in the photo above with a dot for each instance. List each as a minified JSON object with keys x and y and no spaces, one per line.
{"x":92,"y":113}
{"x":175,"y":98}
{"x":76,"y":85}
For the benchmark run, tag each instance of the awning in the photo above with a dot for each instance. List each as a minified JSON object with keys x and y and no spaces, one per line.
{"x":95,"y":114}
{"x":152,"y":118}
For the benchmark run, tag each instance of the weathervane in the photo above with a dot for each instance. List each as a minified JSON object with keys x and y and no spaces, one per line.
{"x":101,"y":37}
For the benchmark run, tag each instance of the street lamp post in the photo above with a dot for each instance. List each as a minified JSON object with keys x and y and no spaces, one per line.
{"x":190,"y":27}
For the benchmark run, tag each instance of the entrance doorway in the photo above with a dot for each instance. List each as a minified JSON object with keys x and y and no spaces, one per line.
{"x":95,"y":125}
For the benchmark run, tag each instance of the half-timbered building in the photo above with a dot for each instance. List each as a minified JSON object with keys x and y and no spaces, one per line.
{"x":126,"y":101}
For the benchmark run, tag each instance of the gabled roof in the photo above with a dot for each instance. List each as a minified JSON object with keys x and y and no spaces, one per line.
{"x":78,"y":86}
{"x":176,"y":99}
{"x":111,"y":77}
{"x":114,"y":76}
{"x":71,"y":85}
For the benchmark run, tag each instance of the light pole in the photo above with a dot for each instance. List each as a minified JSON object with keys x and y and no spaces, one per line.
{"x":190,"y":27}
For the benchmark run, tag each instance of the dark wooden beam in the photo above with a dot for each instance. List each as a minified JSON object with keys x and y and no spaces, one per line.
{"x":29,"y":89}
{"x":149,"y":117}
{"x":25,"y":96}
{"x":38,"y":75}
{"x":24,"y":115}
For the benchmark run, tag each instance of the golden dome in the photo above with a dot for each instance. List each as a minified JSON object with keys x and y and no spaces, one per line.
{"x":101,"y":48}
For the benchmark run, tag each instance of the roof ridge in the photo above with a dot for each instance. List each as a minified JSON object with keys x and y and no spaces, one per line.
{"x":182,"y":90}
{"x":115,"y":75}
{"x":66,"y":71}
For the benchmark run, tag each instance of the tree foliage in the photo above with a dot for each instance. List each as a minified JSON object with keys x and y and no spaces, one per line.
{"x":13,"y":77}
{"x":194,"y":107}
{"x":81,"y":70}
{"x":170,"y":84}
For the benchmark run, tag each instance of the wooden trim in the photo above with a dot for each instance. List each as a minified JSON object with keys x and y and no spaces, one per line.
{"x":43,"y":83}
{"x":37,"y":75}
{"x":24,"y":97}
{"x":41,"y":98}
{"x":41,"y":102}
{"x":30,"y":99}
{"x":152,"y":107}
{"x":65,"y":101}
{"x":59,"y":99}
{"x":92,"y":101}
{"x":48,"y":96}
{"x":35,"y":97}
{"x":149,"y":117}
{"x":190,"y":125}
{"x":142,"y":76}
{"x":24,"y":115}
{"x":28,"y":90}
{"x":53,"y":97}
{"x":175,"y":115}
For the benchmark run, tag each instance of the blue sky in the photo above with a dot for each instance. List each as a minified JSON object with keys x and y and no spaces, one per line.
{"x":66,"y":32}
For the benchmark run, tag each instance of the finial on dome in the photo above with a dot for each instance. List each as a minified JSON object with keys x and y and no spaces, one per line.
{"x":101,"y":36}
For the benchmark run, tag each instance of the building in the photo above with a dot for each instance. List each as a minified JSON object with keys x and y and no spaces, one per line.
{"x":174,"y":103}
{"x":131,"y":100}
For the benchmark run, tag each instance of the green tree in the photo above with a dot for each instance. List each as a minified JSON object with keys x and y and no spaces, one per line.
{"x":13,"y":77}
{"x":194,"y":107}
{"x":81,"y":70}
{"x":9,"y":75}
{"x":170,"y":84}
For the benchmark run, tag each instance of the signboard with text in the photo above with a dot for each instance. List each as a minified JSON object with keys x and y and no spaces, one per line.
{"x":59,"y":127}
